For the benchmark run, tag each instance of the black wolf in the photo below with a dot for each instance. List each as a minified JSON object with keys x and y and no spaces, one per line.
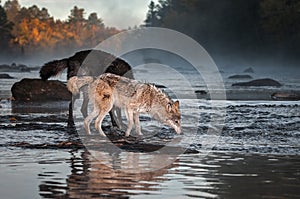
{"x":87,"y":62}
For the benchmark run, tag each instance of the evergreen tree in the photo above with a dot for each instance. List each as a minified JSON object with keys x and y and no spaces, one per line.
{"x":94,"y":20}
{"x":151,"y":18}
{"x":12,"y":8}
{"x":5,"y":29}
{"x":77,"y":15}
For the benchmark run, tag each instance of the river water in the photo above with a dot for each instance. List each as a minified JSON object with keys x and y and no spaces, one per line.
{"x":238,"y":149}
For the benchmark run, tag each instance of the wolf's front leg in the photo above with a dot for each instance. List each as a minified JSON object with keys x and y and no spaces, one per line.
{"x":85,"y":103}
{"x":71,"y":118}
{"x":129,"y":115}
{"x":137,"y":123}
{"x":116,"y":118}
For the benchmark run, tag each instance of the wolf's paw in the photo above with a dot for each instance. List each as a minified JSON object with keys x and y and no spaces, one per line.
{"x":127,"y":134}
{"x":88,"y":131}
{"x":102,"y":133}
{"x":140,"y":134}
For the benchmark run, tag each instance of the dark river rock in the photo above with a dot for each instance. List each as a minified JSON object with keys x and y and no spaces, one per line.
{"x":286,"y":96}
{"x":240,"y":77}
{"x":249,"y":70}
{"x":259,"y":82}
{"x":5,"y":76}
{"x":39,"y":90}
{"x":14,"y":68}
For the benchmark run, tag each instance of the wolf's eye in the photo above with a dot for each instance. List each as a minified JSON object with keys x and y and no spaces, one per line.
{"x":176,"y":121}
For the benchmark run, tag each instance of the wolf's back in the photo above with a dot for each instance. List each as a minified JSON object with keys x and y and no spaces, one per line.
{"x":98,"y":62}
{"x":53,"y":68}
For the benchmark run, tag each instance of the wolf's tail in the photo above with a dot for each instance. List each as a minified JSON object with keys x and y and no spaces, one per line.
{"x":53,"y":68}
{"x":75,"y":83}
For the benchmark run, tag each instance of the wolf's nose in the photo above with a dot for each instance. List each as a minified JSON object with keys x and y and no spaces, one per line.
{"x":178,"y":130}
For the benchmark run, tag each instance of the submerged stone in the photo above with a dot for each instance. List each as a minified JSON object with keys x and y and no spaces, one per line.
{"x":259,"y":82}
{"x":5,"y":76}
{"x":290,"y":96}
{"x":240,"y":77}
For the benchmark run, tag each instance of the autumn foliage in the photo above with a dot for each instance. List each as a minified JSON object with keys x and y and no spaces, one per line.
{"x":28,"y":32}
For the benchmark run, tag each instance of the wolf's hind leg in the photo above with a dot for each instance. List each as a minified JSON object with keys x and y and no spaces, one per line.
{"x":98,"y":122}
{"x":105,"y":104}
{"x":89,"y":118}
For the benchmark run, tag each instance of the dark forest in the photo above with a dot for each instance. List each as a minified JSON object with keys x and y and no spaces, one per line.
{"x":255,"y":32}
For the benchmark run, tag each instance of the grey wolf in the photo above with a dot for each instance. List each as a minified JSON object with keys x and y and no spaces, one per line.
{"x":87,"y":62}
{"x":110,"y":90}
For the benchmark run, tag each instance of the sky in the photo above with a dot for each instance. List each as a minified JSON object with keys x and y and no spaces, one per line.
{"x":115,"y":13}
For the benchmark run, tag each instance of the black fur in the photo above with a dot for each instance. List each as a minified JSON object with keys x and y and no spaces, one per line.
{"x":87,"y":62}
{"x":53,"y":68}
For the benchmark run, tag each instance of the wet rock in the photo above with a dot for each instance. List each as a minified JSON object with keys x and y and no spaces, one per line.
{"x":4,"y":67}
{"x":61,"y":145}
{"x":137,"y":147}
{"x":38,"y":90}
{"x":14,"y":68}
{"x":249,"y":70}
{"x":240,"y":77}
{"x":259,"y":82}
{"x":160,"y":86}
{"x":5,"y":76}
{"x":288,"y":96}
{"x":202,"y":94}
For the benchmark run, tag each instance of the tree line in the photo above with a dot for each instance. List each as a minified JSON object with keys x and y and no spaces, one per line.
{"x":228,"y":29}
{"x":28,"y":32}
{"x":235,"y":29}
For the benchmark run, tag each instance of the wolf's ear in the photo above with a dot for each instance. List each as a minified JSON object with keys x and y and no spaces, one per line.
{"x":176,"y":104}
{"x":169,"y":107}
